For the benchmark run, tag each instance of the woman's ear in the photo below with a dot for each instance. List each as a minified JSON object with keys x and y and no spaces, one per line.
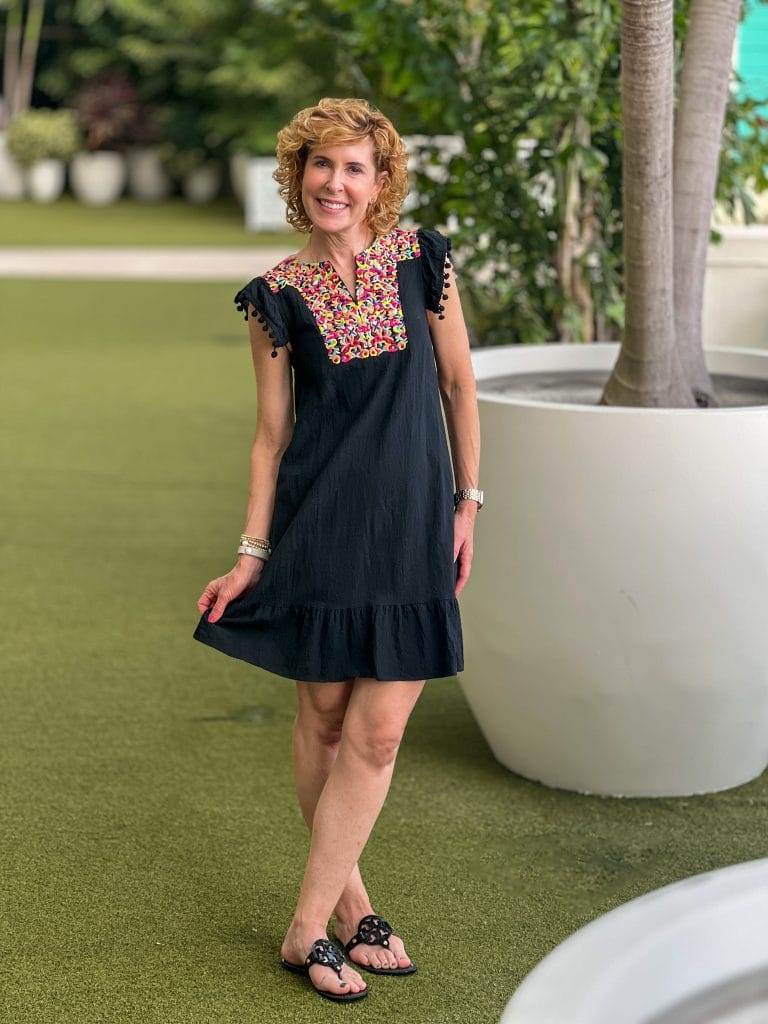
{"x":381,"y":179}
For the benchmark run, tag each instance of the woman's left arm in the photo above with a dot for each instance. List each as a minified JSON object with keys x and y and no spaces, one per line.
{"x":450,"y":342}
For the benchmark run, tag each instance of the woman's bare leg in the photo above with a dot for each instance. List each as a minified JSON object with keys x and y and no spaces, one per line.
{"x":346,"y":811}
{"x":316,"y":738}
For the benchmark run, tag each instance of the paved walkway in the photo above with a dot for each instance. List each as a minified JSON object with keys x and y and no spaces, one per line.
{"x":209,"y":263}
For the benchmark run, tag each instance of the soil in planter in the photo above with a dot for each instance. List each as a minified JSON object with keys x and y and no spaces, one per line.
{"x":584,"y":387}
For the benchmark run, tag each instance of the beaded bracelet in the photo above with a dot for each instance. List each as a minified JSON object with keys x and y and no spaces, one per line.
{"x":246,"y":549}
{"x":254,"y":542}
{"x":257,"y":546}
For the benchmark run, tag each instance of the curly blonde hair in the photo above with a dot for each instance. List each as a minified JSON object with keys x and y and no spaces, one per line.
{"x":334,"y":122}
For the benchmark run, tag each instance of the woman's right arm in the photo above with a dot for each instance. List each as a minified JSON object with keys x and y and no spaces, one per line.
{"x":275,"y":418}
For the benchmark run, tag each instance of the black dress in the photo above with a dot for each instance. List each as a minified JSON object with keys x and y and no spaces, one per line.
{"x":361,"y":577}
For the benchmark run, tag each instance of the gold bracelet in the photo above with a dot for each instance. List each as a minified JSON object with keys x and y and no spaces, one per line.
{"x":254,"y":542}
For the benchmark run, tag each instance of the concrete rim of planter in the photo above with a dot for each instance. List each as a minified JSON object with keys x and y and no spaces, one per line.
{"x":489,"y":362}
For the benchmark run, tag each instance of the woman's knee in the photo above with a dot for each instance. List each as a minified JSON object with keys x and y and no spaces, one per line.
{"x":377,"y":746}
{"x":322,"y":707}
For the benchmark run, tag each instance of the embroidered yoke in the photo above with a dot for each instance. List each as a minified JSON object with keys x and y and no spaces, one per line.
{"x":361,"y":577}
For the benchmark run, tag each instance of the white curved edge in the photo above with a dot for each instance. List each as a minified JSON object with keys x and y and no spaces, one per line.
{"x":666,"y":945}
{"x":501,"y":360}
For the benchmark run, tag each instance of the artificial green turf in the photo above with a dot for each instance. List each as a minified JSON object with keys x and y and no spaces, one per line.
{"x":130,"y":222}
{"x":151,"y":846}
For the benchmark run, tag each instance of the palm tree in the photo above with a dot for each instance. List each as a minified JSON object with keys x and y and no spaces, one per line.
{"x":20,"y":46}
{"x":670,"y":165}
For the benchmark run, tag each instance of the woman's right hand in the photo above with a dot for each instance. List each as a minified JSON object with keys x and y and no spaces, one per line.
{"x":219,"y":592}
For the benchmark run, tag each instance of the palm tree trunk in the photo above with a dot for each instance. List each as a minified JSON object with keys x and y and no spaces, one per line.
{"x":698,"y":133}
{"x":576,"y":234}
{"x":29,"y":50}
{"x":647,"y":371}
{"x":11,"y":48}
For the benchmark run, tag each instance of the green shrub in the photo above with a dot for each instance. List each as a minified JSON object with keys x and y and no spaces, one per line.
{"x":41,"y":134}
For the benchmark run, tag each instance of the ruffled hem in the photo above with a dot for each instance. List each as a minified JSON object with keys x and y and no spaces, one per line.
{"x":326,"y":644}
{"x":266,"y":310}
{"x":435,"y":251}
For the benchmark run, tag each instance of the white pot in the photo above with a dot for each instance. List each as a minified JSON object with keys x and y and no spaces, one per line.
{"x":203,"y":183}
{"x":44,"y":180}
{"x":264,"y":206}
{"x":238,"y":168}
{"x":98,"y":178}
{"x":694,"y":950}
{"x":147,"y":177}
{"x":616,"y":619}
{"x":11,"y":173}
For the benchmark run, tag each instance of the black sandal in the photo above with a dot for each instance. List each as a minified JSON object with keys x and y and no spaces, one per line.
{"x":375,"y":931}
{"x":329,"y":955}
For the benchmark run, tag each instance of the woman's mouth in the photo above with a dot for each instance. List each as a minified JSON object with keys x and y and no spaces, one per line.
{"x":331,"y":204}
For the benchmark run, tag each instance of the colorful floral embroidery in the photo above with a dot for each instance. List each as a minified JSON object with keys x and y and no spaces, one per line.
{"x":361,"y":326}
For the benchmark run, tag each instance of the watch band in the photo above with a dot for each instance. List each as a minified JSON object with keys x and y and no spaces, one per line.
{"x":472,"y":493}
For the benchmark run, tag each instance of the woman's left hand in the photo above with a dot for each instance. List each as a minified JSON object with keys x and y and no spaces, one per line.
{"x":463,"y":540}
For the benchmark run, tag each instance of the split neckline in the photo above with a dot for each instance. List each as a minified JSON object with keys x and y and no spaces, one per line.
{"x":361,"y":325}
{"x":369,"y":248}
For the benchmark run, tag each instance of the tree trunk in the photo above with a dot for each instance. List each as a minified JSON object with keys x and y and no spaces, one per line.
{"x":576,"y":234}
{"x":698,"y":133}
{"x":648,"y":371}
{"x":11,"y":50}
{"x":29,"y":50}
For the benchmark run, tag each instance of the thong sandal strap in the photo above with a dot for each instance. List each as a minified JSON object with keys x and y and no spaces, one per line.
{"x":326,"y":953}
{"x":372,"y":931}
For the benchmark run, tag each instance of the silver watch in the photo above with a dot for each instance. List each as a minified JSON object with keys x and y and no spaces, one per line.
{"x":474,"y":493}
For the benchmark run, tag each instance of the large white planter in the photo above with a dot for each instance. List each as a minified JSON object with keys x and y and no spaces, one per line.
{"x":693,"y":951}
{"x":616,"y":619}
{"x":147,"y":178}
{"x":11,"y":173}
{"x":264,"y":206}
{"x":238,"y":169}
{"x":98,"y":178}
{"x":203,"y":183}
{"x":44,"y":180}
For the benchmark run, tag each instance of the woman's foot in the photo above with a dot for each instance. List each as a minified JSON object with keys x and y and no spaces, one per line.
{"x":386,"y":957}
{"x":295,"y":949}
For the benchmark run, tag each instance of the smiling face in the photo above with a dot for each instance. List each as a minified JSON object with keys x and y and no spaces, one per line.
{"x":339,"y":183}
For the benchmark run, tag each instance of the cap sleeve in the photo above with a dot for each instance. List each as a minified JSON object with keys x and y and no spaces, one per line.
{"x":268,"y":310}
{"x":435,"y":249}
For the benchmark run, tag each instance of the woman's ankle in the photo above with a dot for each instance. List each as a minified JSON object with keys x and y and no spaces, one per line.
{"x":350,"y":911}
{"x":301,"y":925}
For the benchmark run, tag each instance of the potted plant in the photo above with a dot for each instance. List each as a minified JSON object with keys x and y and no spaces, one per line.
{"x":42,"y":141}
{"x":21,"y":42}
{"x":107,"y":111}
{"x":148,"y":178}
{"x":616,"y":617}
{"x":193,"y":153}
{"x":254,"y":140}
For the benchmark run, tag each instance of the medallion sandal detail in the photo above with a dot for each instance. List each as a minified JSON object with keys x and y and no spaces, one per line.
{"x":327,"y":954}
{"x":375,"y":931}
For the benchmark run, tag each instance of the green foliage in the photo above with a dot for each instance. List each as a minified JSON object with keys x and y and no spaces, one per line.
{"x":237,"y":69}
{"x":531,"y":88}
{"x":43,"y":134}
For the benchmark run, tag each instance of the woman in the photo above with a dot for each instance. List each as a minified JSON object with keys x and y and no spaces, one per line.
{"x":356,"y":546}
